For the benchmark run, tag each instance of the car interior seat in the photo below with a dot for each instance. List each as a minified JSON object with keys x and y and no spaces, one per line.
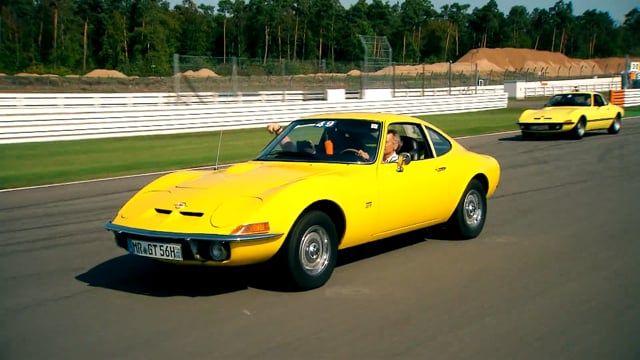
{"x":409,"y":145}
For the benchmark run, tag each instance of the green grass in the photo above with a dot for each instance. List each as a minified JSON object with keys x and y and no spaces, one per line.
{"x":632,"y":112}
{"x":64,"y":161}
{"x":481,"y":122}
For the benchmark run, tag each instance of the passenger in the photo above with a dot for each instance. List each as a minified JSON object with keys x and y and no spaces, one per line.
{"x":392,"y":144}
{"x":287,"y":144}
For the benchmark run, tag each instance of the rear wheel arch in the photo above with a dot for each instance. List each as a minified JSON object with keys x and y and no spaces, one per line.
{"x":484,"y":181}
{"x":469,"y":216}
{"x":616,"y":124}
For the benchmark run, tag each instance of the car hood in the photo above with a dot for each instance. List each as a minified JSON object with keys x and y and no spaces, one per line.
{"x":552,"y":113}
{"x":237,"y":189}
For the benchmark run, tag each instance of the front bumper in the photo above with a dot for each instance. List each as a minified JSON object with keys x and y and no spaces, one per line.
{"x":545,"y":127}
{"x":243,"y":249}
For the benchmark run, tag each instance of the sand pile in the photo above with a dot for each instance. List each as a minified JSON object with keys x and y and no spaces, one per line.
{"x":105,"y":73}
{"x":512,"y":59}
{"x":205,"y":73}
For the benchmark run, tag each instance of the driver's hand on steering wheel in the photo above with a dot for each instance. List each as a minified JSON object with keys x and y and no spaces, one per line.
{"x":363,"y":154}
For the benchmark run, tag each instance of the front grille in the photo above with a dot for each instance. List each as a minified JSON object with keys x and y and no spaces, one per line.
{"x":184,"y":213}
{"x":191,"y":213}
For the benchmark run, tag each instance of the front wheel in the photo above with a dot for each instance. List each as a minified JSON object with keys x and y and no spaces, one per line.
{"x":615,"y":126}
{"x":578,"y":131}
{"x":311,"y":250}
{"x":469,"y":217}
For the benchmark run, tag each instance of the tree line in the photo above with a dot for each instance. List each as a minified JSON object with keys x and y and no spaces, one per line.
{"x":139,"y":37}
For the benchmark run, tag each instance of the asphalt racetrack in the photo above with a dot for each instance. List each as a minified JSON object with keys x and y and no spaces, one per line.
{"x":554,"y":275}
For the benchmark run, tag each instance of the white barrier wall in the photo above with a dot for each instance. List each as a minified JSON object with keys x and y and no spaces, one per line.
{"x":51,"y":123}
{"x":631,"y":97}
{"x":523,"y":89}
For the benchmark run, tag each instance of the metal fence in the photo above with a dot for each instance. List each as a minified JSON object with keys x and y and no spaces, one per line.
{"x":197,"y":74}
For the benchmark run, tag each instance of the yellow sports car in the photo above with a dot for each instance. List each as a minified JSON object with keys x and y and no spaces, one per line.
{"x":573,"y":113}
{"x":325,"y":182}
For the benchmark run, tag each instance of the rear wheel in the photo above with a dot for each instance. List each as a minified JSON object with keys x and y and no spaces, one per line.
{"x":469,"y":217}
{"x":578,"y":131}
{"x":615,"y":125}
{"x":310,"y":251}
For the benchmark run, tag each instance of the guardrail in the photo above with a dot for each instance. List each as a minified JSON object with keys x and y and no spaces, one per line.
{"x":137,"y":99}
{"x":631,"y":97}
{"x":56,"y":100}
{"x":111,"y":118}
{"x":461,"y":90}
{"x":524,"y":89}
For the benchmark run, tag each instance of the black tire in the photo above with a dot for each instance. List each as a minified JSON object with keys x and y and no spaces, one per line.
{"x":578,"y":131}
{"x":310,"y":251}
{"x":615,"y":126}
{"x":470,"y":214}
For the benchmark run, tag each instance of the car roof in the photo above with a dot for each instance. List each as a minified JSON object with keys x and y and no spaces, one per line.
{"x":376,"y":116}
{"x":573,"y":92}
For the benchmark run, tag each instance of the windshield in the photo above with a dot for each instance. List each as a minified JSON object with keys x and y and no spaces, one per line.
{"x":326,"y":140}
{"x":572,"y":99}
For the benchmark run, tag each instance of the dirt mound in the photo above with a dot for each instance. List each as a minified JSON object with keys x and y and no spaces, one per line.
{"x":105,"y":73}
{"x":512,"y":59}
{"x":200,"y":73}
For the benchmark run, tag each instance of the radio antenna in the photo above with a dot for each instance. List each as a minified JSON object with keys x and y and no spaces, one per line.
{"x":218,"y":152}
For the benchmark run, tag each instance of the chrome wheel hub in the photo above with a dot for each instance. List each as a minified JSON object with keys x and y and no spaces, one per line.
{"x":473,"y":208}
{"x":314,"y":250}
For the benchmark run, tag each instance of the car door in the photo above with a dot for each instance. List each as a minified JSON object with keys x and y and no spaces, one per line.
{"x":601,"y":113}
{"x":412,"y":198}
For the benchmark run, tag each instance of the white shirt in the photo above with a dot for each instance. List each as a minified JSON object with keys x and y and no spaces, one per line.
{"x":391,"y":159}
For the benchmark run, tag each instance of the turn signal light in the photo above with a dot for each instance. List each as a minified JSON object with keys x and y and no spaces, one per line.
{"x":257,"y":228}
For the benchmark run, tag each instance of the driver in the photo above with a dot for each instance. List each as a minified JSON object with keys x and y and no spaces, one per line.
{"x":289,"y":145}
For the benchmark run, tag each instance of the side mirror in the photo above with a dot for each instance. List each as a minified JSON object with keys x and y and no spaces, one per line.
{"x":403,"y":159}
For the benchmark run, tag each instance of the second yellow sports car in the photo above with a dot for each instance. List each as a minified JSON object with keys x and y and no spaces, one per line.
{"x":325,"y":182}
{"x":573,"y":113}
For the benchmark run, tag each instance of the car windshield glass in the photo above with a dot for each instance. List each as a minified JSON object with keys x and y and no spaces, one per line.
{"x":573,"y":99}
{"x":326,"y":140}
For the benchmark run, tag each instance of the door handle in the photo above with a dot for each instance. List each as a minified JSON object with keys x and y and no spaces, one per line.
{"x":440,"y":169}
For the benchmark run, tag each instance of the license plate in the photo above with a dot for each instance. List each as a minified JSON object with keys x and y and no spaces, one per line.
{"x":155,"y":250}
{"x":539,"y":127}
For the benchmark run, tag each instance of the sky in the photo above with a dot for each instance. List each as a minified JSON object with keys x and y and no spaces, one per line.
{"x":616,"y":8}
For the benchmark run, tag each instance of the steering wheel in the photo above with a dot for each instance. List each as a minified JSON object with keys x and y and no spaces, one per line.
{"x":355,"y":151}
{"x":360,"y":155}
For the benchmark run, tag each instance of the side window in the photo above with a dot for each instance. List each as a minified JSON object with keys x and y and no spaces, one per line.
{"x":441,"y":145}
{"x":413,"y":140}
{"x":599,"y":101}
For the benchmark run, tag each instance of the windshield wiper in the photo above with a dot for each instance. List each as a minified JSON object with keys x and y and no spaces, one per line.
{"x":291,"y":154}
